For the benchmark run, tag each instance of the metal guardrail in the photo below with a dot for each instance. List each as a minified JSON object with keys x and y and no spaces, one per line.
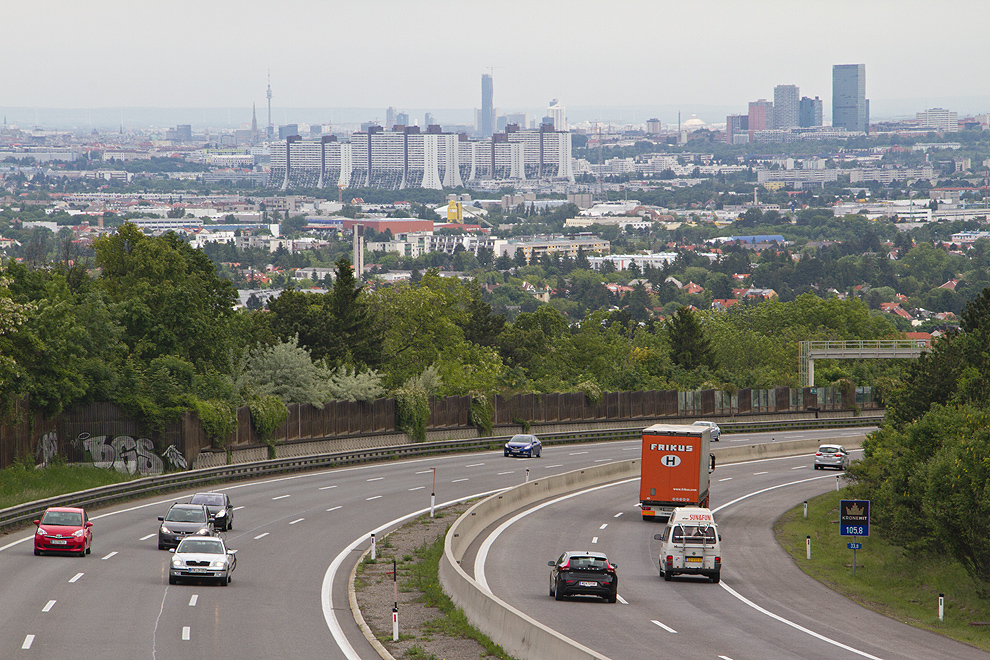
{"x":104,"y":495}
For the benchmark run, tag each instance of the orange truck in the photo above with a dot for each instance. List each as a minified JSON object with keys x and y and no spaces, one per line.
{"x":675,"y":469}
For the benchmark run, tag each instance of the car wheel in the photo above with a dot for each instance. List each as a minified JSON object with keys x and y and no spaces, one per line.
{"x":612,"y":597}
{"x":505,"y":453}
{"x":89,"y":550}
{"x":161,"y":546}
{"x":667,"y":575}
{"x":551,"y":586}
{"x":225,"y":580}
{"x":173,"y":580}
{"x":557,"y":594}
{"x":83,"y":553}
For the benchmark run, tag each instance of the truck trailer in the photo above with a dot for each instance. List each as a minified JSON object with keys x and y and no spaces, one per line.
{"x":675,"y":468}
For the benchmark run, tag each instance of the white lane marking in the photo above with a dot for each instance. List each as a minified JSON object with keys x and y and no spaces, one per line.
{"x":238,"y":508}
{"x":726,"y":479}
{"x":193,"y":599}
{"x":796,"y":626}
{"x":281,"y":497}
{"x":617,"y":515}
{"x":327,"y":487}
{"x":456,"y":480}
{"x":603,"y":460}
{"x":109,"y":556}
{"x":482,"y":556}
{"x":501,"y":473}
{"x":418,"y":488}
{"x":75,"y":578}
{"x":297,"y":520}
{"x":424,"y":471}
{"x":621,"y":599}
{"x":578,"y":453}
{"x":799,"y":467}
{"x":326,"y":595}
{"x":368,"y":499}
{"x":603,"y":526}
{"x":49,"y":606}
{"x":724,"y":657}
{"x":630,"y":448}
{"x":334,"y":508}
{"x":261,"y":536}
{"x":375,"y":479}
{"x":667,"y":628}
{"x":757,"y":473}
{"x":28,"y":641}
{"x":553,"y":466}
{"x":594,"y":539}
{"x":185,"y":633}
{"x":474,"y":465}
{"x":146,"y":537}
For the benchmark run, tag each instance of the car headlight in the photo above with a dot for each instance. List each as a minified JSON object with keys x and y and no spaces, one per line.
{"x":42,"y":532}
{"x":78,"y":533}
{"x":203,"y":532}
{"x":177,"y":562}
{"x":221,"y":514}
{"x":165,"y":530}
{"x":217,"y":563}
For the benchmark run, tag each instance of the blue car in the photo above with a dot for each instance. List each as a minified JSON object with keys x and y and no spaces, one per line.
{"x":523,"y":444}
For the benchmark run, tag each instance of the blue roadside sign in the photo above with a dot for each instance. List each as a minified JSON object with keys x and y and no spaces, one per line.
{"x":854,"y":518}
{"x":854,"y":546}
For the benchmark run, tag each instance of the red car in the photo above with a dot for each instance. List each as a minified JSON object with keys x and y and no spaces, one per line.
{"x":64,"y":529}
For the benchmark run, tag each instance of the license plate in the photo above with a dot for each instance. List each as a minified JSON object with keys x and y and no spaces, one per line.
{"x":199,"y":570}
{"x":59,"y":542}
{"x":587,"y":584}
{"x":694,"y":560}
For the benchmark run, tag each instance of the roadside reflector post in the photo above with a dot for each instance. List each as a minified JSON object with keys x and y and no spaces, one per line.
{"x":527,"y":475}
{"x":395,"y":607}
{"x":433,"y":494}
{"x":808,"y":543}
{"x":374,"y":548}
{"x":806,"y":508}
{"x":941,"y":606}
{"x":837,"y":483}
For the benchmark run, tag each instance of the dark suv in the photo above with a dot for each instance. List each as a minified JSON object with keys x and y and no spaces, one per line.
{"x":588,"y":573}
{"x":183,"y":520}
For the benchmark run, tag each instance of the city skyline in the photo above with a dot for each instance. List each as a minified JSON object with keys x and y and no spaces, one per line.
{"x":596,"y":65}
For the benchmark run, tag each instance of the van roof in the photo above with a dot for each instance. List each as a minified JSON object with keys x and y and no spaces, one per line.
{"x":675,"y":429}
{"x":692,"y":514}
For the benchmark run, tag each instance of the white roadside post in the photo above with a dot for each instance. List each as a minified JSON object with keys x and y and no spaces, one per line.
{"x":395,"y":607}
{"x":806,"y":508}
{"x":374,"y":548}
{"x":941,"y":606}
{"x":527,"y":475}
{"x":433,"y":493}
{"x":808,"y":542}
{"x":837,"y":483}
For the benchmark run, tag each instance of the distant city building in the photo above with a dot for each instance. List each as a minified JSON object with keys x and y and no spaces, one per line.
{"x":653,"y":126}
{"x":487,"y":125}
{"x":810,"y":112}
{"x":850,"y":108}
{"x":429,"y":120}
{"x":401,"y":119}
{"x":785,"y":106}
{"x":558,"y":114}
{"x":288,"y":130}
{"x":941,"y":119}
{"x":760,"y":115}
{"x":736,"y":126}
{"x":390,"y":117}
{"x":181,"y":133}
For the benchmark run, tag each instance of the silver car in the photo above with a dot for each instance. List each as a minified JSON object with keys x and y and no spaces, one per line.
{"x":202,"y":558}
{"x":833,"y":456}
{"x":716,"y":431}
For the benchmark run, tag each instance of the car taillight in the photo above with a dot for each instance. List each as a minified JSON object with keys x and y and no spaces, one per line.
{"x":818,"y":453}
{"x":838,"y":455}
{"x":718,"y":560}
{"x":609,"y":567}
{"x":670,"y":559}
{"x":566,"y":567}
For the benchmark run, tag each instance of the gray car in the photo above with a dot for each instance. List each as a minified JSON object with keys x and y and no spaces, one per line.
{"x":832,"y":456}
{"x":716,"y":431}
{"x":183,"y":520}
{"x":202,"y":558}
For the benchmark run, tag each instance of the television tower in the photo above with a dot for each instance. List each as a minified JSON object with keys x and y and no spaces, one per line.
{"x":269,"y":130}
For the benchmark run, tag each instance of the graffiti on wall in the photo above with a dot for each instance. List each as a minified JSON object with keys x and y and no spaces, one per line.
{"x":121,"y":453}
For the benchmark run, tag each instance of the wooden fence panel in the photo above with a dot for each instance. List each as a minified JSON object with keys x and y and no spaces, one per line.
{"x":745,"y":400}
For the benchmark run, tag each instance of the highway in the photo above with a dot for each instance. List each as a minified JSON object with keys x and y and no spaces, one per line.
{"x":298,"y":536}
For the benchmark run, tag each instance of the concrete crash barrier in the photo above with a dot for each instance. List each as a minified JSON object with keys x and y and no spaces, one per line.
{"x":517,"y":633}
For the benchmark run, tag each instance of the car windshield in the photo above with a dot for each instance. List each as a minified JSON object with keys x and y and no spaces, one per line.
{"x":702,"y":424}
{"x":694,"y":534}
{"x":587,"y":563}
{"x":210,"y":500}
{"x":66,"y":518}
{"x":204,"y":547}
{"x":186,"y":515}
{"x":828,"y":450}
{"x":522,"y":439}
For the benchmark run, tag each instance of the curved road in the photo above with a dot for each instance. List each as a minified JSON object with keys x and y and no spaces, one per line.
{"x":283,"y":601}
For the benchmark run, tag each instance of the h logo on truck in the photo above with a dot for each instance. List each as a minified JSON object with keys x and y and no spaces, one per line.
{"x":671,"y":460}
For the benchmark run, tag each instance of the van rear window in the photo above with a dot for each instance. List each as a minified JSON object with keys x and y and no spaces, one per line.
{"x":694,"y":534}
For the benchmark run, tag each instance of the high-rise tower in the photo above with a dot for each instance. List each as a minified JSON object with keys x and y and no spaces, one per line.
{"x":785,"y":106}
{"x":271,"y":128}
{"x":487,"y":106}
{"x":850,"y":109}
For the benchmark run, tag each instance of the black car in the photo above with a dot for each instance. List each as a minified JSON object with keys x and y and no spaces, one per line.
{"x":219,"y":506}
{"x":587,"y":573}
{"x":183,"y":520}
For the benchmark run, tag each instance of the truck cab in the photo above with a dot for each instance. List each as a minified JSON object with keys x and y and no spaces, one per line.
{"x":690,"y":544}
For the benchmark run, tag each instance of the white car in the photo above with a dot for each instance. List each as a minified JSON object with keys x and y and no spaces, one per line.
{"x":716,"y":431}
{"x":202,"y":558}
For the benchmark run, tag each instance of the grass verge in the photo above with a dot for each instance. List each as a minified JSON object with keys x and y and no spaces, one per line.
{"x":23,"y":482}
{"x":887,"y":579}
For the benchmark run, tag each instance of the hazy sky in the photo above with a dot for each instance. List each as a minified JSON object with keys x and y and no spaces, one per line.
{"x":431,"y":53}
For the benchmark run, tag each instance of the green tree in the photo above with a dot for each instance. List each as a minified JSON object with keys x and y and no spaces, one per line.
{"x":690,"y":348}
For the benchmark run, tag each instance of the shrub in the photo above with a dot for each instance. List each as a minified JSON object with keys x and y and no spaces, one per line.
{"x":267,"y":414}
{"x":482,"y":413}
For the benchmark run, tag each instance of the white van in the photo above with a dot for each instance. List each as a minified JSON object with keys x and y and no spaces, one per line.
{"x":690,"y":544}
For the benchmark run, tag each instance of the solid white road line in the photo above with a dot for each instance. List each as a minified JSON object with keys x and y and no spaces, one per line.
{"x":28,"y":641}
{"x":327,"y":487}
{"x":667,"y":628}
{"x":109,"y":556}
{"x":185,"y":633}
{"x":193,"y":599}
{"x":603,"y":460}
{"x":261,"y":536}
{"x":146,"y":537}
{"x":297,"y":520}
{"x":418,"y":488}
{"x":578,"y":453}
{"x":334,"y":508}
{"x":326,"y":595}
{"x":49,"y":606}
{"x":281,"y":497}
{"x":75,"y":578}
